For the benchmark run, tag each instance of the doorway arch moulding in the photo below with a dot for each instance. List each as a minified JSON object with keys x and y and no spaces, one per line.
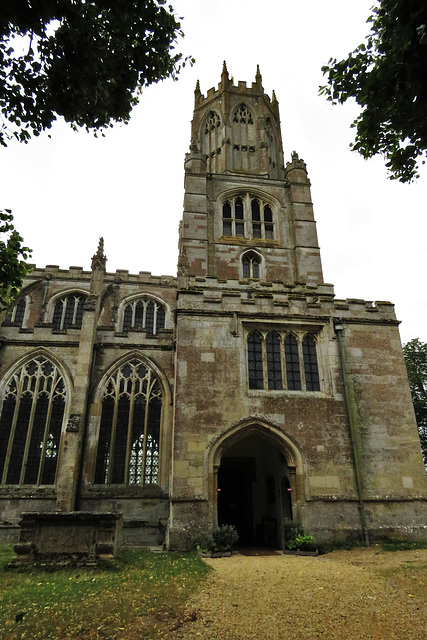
{"x":257,"y":425}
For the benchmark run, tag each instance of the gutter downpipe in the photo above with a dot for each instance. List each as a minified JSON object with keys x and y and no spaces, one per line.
{"x":338,"y":326}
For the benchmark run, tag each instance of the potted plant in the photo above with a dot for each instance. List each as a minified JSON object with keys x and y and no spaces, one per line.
{"x":296,"y":542}
{"x":218,"y":543}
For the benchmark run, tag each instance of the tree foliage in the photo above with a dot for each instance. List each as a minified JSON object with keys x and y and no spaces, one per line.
{"x":415,"y":353}
{"x":85,"y":60}
{"x":13,"y":267}
{"x":387,"y":77}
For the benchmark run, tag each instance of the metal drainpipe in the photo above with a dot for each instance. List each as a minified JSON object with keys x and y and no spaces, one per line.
{"x":338,"y":326}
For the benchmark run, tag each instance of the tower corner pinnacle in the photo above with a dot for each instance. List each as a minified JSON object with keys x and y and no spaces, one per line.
{"x":99,"y":259}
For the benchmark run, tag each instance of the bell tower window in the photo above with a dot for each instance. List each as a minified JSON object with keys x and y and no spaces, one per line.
{"x":247,"y":217}
{"x":212,"y":141}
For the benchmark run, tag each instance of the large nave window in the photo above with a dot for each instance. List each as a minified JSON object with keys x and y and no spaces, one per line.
{"x":129,"y":437}
{"x":30,"y":424}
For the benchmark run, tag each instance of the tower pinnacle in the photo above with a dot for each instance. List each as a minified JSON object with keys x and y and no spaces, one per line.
{"x":99,"y":259}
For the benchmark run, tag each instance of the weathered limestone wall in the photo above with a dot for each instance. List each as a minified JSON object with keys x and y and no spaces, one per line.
{"x":212,"y":327}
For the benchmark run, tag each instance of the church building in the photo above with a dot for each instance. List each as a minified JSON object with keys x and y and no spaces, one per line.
{"x":239,"y":392}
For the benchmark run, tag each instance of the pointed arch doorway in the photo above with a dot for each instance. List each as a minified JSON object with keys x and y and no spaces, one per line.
{"x":257,"y":471}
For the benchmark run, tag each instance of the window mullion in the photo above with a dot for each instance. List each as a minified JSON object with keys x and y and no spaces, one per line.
{"x":144,"y":313}
{"x":155,"y":319}
{"x":133,"y":313}
{"x":13,"y":427}
{"x":301,"y":364}
{"x":283,"y":361}
{"x":130,"y":426}
{"x":144,"y":449}
{"x":76,"y":304}
{"x":264,"y":362}
{"x":46,"y":428}
{"x":30,"y":427}
{"x":113,"y":430}
{"x":64,"y":306}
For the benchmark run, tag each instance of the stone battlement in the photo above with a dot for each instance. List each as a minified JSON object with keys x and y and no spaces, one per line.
{"x":78,"y":273}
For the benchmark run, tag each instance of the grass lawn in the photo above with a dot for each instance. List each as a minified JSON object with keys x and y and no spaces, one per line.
{"x":142,"y":596}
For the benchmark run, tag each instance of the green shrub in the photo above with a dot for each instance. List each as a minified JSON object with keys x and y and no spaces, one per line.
{"x":291,"y":530}
{"x":221,"y":539}
{"x":300,"y":541}
{"x":225,"y":537}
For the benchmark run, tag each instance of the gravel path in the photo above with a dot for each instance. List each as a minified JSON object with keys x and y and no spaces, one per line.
{"x":357,"y":595}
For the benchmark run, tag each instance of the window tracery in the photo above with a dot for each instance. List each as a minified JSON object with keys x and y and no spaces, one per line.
{"x":213,"y":121}
{"x":283,"y":360}
{"x":68,"y":311}
{"x":129,"y":437}
{"x":31,"y":423}
{"x":144,"y":313}
{"x":243,"y":115}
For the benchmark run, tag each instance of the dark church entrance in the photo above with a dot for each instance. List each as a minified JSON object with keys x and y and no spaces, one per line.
{"x":253,"y":491}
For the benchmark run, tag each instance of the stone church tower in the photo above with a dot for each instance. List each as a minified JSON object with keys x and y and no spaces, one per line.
{"x":264,"y":427}
{"x":241,"y":392}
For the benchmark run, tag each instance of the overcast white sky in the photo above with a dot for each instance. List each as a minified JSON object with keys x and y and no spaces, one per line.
{"x":67,"y":191}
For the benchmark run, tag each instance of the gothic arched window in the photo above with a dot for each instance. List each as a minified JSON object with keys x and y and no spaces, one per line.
{"x":31,"y":423}
{"x":251,"y":265}
{"x":68,"y":311}
{"x":255,"y":365}
{"x":129,"y":435}
{"x":144,"y":313}
{"x":310,"y":363}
